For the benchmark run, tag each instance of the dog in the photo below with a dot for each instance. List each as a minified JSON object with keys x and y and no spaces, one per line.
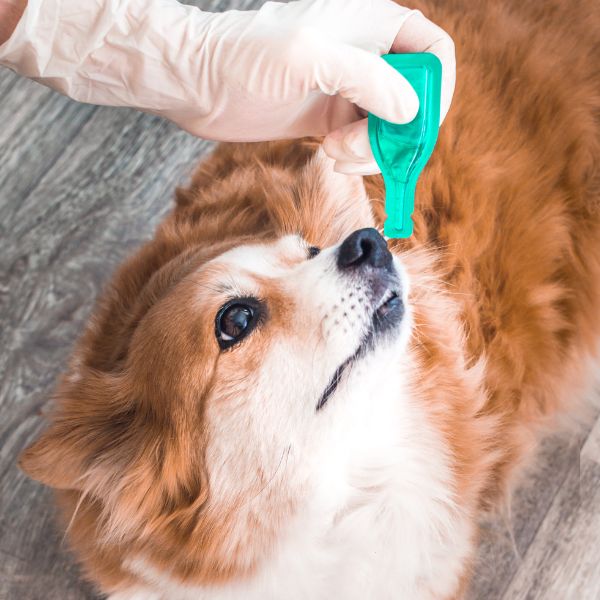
{"x":271,"y":402}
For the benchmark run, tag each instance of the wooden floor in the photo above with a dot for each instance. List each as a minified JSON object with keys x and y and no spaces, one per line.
{"x":80,"y":186}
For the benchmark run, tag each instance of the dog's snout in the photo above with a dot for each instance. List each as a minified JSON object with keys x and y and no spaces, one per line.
{"x":364,"y":247}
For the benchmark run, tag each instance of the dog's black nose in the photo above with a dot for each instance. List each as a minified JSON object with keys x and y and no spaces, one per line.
{"x":364,"y":247}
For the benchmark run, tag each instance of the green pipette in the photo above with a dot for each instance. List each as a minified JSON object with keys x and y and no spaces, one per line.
{"x":401,"y":151}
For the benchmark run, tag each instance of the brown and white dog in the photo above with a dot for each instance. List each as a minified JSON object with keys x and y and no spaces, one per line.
{"x":268,"y":404}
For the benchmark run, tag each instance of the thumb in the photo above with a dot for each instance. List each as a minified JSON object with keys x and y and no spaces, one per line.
{"x":350,"y":147}
{"x":366,"y":80}
{"x":350,"y":143}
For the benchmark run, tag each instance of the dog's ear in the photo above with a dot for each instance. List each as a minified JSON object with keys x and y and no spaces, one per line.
{"x":52,"y":460}
{"x":88,"y":420}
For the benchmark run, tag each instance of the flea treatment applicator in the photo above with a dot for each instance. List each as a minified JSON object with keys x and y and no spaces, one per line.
{"x":401,"y":151}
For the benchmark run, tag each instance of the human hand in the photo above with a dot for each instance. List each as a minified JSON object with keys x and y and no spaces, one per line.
{"x":349,"y":145}
{"x":310,"y":67}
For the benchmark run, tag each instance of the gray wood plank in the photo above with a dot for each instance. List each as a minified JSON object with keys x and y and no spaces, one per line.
{"x":505,"y":540}
{"x":7,"y":80}
{"x":591,"y":449}
{"x":563,"y":560}
{"x":39,"y":127}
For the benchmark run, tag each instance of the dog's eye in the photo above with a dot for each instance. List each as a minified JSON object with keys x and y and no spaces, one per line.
{"x":313,"y":251}
{"x":235,"y":320}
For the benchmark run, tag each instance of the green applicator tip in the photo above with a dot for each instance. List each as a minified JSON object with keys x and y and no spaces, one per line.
{"x":401,"y":151}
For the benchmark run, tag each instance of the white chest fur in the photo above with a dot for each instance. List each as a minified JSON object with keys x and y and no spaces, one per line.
{"x":381,"y":523}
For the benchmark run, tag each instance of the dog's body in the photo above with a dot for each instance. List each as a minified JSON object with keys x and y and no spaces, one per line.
{"x":191,"y":466}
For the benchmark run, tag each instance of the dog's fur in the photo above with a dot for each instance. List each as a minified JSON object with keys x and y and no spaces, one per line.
{"x":188,"y":472}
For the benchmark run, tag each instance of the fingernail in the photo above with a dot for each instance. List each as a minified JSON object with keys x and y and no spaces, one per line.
{"x":349,"y":168}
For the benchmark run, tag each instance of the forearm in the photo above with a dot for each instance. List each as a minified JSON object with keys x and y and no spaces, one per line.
{"x":142,"y":53}
{"x":10,"y":13}
{"x":285,"y":70}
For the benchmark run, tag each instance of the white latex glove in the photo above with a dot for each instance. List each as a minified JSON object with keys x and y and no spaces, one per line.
{"x":284,"y":71}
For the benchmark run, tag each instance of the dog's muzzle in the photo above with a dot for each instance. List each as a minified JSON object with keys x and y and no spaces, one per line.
{"x":365,"y":257}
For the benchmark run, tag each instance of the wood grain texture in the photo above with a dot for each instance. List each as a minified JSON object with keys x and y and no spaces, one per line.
{"x":80,"y":186}
{"x":506,"y":542}
{"x":563,"y":559}
{"x":591,"y":449}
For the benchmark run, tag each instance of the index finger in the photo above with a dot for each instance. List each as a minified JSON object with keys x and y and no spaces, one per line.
{"x":419,"y":34}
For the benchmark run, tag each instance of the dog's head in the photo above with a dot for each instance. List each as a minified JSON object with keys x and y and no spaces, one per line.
{"x":239,"y":385}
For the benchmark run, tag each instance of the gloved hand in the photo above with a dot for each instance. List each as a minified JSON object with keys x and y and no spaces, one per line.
{"x":284,"y":71}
